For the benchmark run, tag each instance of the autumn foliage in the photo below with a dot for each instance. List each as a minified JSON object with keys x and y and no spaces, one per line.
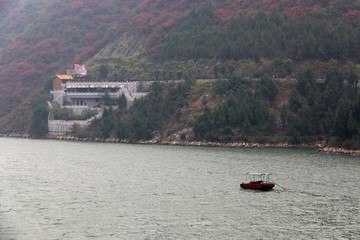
{"x":39,"y":42}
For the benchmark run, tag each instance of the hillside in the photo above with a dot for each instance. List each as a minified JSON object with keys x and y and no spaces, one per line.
{"x":61,"y":33}
{"x":162,"y":40}
{"x":239,"y":110}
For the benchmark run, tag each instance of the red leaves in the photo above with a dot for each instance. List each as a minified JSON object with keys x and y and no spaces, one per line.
{"x":270,"y":4}
{"x":145,"y":19}
{"x":168,"y":23}
{"x":222,"y":14}
{"x":46,"y":44}
{"x":352,"y":15}
{"x":3,"y":3}
{"x":159,"y":13}
{"x":77,"y":5}
{"x":90,"y":37}
{"x":80,"y":4}
{"x":85,"y":53}
{"x":296,"y":12}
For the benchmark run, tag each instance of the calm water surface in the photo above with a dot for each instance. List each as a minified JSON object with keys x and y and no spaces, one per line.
{"x":72,"y":190}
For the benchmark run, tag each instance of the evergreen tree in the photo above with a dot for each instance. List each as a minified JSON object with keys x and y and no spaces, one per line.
{"x":203,"y":125}
{"x":345,"y":125}
{"x":103,"y":71}
{"x":267,"y":88}
{"x":39,"y":116}
{"x":333,"y":92}
{"x":245,"y":130}
{"x":351,"y":82}
{"x":107,"y":122}
{"x":283,"y":116}
{"x":294,"y":102}
{"x":122,"y":102}
{"x":306,"y":83}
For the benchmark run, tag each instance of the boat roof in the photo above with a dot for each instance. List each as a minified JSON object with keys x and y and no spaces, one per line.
{"x":258,"y":174}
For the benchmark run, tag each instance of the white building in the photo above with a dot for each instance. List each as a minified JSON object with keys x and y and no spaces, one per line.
{"x":78,"y":95}
{"x":71,"y":91}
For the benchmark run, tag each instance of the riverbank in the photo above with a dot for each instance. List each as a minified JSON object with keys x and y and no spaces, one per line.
{"x":319,"y":146}
{"x":332,"y":150}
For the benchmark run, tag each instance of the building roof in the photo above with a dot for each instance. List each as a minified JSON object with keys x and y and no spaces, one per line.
{"x":64,"y":77}
{"x":98,"y":84}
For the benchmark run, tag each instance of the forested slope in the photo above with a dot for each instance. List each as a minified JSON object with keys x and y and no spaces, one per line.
{"x":46,"y":38}
{"x":314,"y":42}
{"x":239,"y":109}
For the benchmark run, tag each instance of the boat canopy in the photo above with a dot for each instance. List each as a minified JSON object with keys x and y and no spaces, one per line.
{"x":258,"y":176}
{"x":258,"y":173}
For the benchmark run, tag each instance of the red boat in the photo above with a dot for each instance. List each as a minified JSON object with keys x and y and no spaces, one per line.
{"x":258,"y":181}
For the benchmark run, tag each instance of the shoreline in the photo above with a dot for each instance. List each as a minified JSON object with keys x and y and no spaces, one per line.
{"x":319,"y":146}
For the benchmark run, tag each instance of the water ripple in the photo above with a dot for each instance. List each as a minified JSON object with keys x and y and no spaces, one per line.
{"x":119,"y":191}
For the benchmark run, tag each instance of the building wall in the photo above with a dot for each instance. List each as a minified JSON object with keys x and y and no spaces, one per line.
{"x":62,"y":127}
{"x":90,"y":93}
{"x":58,"y":96}
{"x":60,"y":80}
{"x":83,"y":95}
{"x":86,"y":102}
{"x":57,"y":84}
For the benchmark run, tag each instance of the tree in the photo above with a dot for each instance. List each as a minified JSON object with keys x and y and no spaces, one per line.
{"x":103,"y":71}
{"x":304,"y":121}
{"x":245,"y":130}
{"x":38,"y":123}
{"x":345,"y":125}
{"x":351,"y":81}
{"x":107,"y":122}
{"x":203,"y":125}
{"x":122,"y":102}
{"x":106,"y":99}
{"x":284,"y":116}
{"x":306,"y":82}
{"x":294,"y":102}
{"x":267,"y":88}
{"x":333,"y":92}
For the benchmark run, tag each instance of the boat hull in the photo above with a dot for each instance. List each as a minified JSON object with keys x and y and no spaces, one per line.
{"x":258,"y":186}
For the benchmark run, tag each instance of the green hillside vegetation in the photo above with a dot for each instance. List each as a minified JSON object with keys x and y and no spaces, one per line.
{"x":267,"y":43}
{"x":262,"y":36}
{"x":274,"y":71}
{"x":43,"y":38}
{"x":249,"y":110}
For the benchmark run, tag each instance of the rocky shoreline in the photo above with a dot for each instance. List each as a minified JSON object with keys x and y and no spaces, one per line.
{"x":319,"y":146}
{"x":332,"y":150}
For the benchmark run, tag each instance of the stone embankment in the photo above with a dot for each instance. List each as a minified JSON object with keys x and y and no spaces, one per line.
{"x":329,"y":150}
{"x":189,"y":143}
{"x":15,"y":135}
{"x":228,"y":145}
{"x":332,"y":150}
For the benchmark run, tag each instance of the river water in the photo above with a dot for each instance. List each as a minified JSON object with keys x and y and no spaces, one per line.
{"x":73,"y":190}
